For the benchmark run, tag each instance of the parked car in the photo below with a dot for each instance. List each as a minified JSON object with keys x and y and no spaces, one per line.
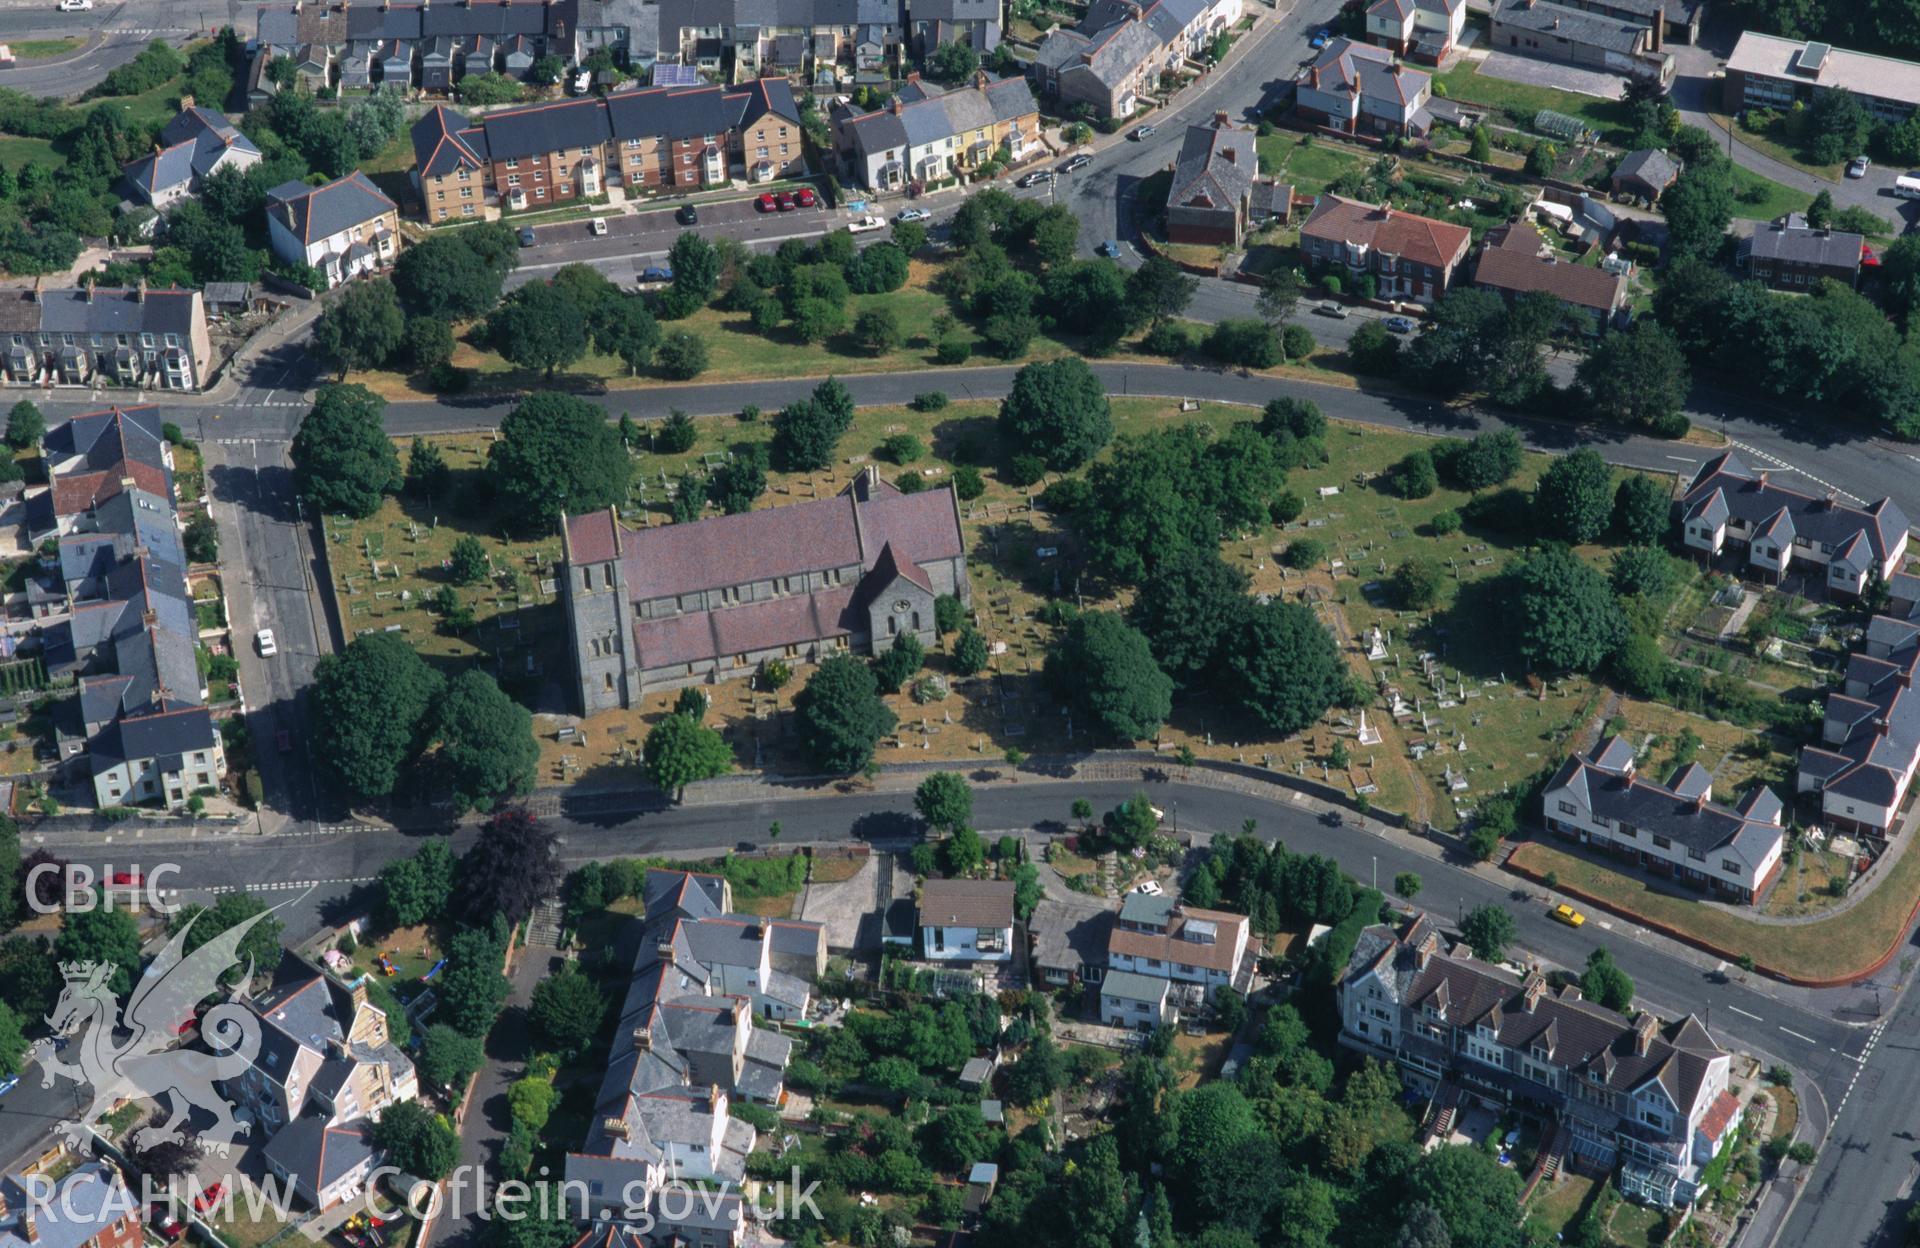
{"x":786,"y":201}
{"x":1148,"y":888}
{"x":807,"y":198}
{"x":1332,"y":309}
{"x":597,"y":226}
{"x":1568,"y":915}
{"x":209,"y":1198}
{"x":1399,"y":324}
{"x":9,"y":1084}
{"x":126,"y":879}
{"x":264,"y":640}
{"x":1035,"y":178}
{"x":1109,"y":248}
{"x":656,"y":273}
{"x":1079,"y":161}
{"x":1321,"y":38}
{"x":866,"y":224}
{"x":164,"y":1224}
{"x":1142,"y":132}
{"x":688,"y":215}
{"x":582,"y":81}
{"x":75,"y":6}
{"x":1858,"y":168}
{"x":526,"y":236}
{"x":766,"y":202}
{"x":912,"y":214}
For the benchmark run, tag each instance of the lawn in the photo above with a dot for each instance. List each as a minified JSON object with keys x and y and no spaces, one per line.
{"x":410,"y":949}
{"x":1637,"y":1226}
{"x":1521,"y":101}
{"x":1786,"y":153}
{"x":1787,"y":1111}
{"x":1307,"y":162}
{"x":17,"y":150}
{"x":1831,"y":949}
{"x":1761,"y":199}
{"x":1554,"y":1206}
{"x":44,"y":49}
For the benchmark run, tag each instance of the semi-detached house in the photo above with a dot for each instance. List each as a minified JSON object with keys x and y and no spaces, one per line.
{"x":966,"y":920}
{"x":1649,"y":1097}
{"x":344,"y":229}
{"x":1863,"y":766}
{"x":1729,"y":505}
{"x":1425,"y":30}
{"x":1357,"y":88}
{"x":1674,"y":829}
{"x":1410,"y":257}
{"x":1199,"y":950}
{"x":926,"y":134}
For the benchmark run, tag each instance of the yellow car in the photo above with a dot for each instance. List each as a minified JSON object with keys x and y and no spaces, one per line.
{"x":1568,"y":915}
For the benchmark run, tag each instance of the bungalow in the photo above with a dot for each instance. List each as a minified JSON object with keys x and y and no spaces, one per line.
{"x":1788,"y":254}
{"x":1728,"y":503}
{"x":1356,"y":88}
{"x":344,"y":228}
{"x":1210,"y":200}
{"x":966,"y":920}
{"x":1409,"y":257}
{"x":1674,"y":829}
{"x":1517,"y":261}
{"x":1069,"y":940}
{"x":1424,"y":30}
{"x":1160,"y":937}
{"x":1137,"y":1002}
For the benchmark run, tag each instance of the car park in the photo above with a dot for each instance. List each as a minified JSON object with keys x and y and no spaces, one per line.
{"x":1399,"y":324}
{"x":597,"y":226}
{"x":866,"y":224}
{"x":912,"y":214}
{"x":1079,"y":161}
{"x":1333,"y":310}
{"x":264,"y":640}
{"x":807,"y":198}
{"x":688,"y":215}
{"x":1565,"y":913}
{"x":526,"y":236}
{"x":786,"y":201}
{"x":766,"y":202}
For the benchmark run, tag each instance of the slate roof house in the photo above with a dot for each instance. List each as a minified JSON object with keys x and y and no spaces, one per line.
{"x":1674,"y":829}
{"x":451,"y":172}
{"x":1423,"y":30}
{"x":1137,"y":1002}
{"x":1864,"y":764}
{"x":927,"y":134}
{"x":1119,"y":50}
{"x":1516,"y":261}
{"x":90,"y":1207}
{"x":966,"y":920}
{"x":125,"y":627}
{"x":366,"y":43}
{"x":192,"y":146}
{"x":1200,"y":950}
{"x":1211,"y":197}
{"x":1411,"y":257}
{"x":1788,"y":254}
{"x":683,"y":604}
{"x":687,"y":1046}
{"x":345,"y":228}
{"x":139,"y":338}
{"x":1647,"y":1096}
{"x":1645,"y":174}
{"x":1599,"y":41}
{"x":1069,"y":940}
{"x":1357,"y":88}
{"x":1729,"y":504}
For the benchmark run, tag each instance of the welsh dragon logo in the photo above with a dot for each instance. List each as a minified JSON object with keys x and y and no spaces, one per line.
{"x":144,"y":1066}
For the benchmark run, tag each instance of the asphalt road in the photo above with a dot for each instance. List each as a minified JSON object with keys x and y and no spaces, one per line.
{"x":115,"y":34}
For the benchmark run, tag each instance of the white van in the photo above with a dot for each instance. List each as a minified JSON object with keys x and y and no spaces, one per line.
{"x":1907,"y":185}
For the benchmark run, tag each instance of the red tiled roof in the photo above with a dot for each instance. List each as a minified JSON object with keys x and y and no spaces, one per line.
{"x":1514,"y":269}
{"x":796,"y":619}
{"x":1720,"y":1115}
{"x":1170,"y":947}
{"x":1388,"y":231}
{"x":591,"y":538}
{"x":77,"y":493}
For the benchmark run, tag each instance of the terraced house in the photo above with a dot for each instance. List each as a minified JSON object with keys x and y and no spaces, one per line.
{"x":1784,"y":532}
{"x":660,"y":138}
{"x":361,"y":45}
{"x":699,"y":603}
{"x":817,"y":41}
{"x":1863,"y":766}
{"x":121,"y":621}
{"x":1676,"y":829}
{"x":926,"y":134}
{"x":94,"y":335}
{"x":1117,"y":54}
{"x":1647,"y":1096}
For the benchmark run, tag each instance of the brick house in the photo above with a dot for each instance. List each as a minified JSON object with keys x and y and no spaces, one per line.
{"x":1210,"y":200}
{"x":1788,"y":254}
{"x":1357,"y":88}
{"x":1410,"y":257}
{"x":1516,"y":261}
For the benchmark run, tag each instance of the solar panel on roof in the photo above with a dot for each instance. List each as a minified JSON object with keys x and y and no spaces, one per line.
{"x":673,"y":74}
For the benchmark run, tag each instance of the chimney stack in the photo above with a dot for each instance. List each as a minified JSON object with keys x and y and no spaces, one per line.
{"x":642,"y":1040}
{"x":616,"y":1127}
{"x":1221,"y":119}
{"x":664,"y":951}
{"x":87,"y":291}
{"x":1643,"y":1029}
{"x":1533,"y":989}
{"x":1700,"y":799}
{"x":30,"y":1227}
{"x":140,"y":291}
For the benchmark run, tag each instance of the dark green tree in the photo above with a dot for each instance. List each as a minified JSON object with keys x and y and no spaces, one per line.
{"x":1057,"y":410}
{"x":1197,"y":599}
{"x":944,"y":801}
{"x":1283,"y":666}
{"x":1103,"y":669}
{"x":1417,"y":582}
{"x":1642,"y":510}
{"x":566,"y":1010}
{"x":370,"y":712}
{"x":418,"y":889}
{"x":896,"y":665}
{"x":1414,"y":476}
{"x":805,"y":436}
{"x":259,"y":948}
{"x":445,"y":276}
{"x":1699,"y":206}
{"x":361,"y":328}
{"x":840,"y":717}
{"x":1638,"y":378}
{"x":449,"y":1057}
{"x":417,"y":1140}
{"x":1563,"y":613}
{"x":1574,"y":501}
{"x":621,"y":326}
{"x":1472,"y":1193}
{"x":1604,"y":983}
{"x":486,"y":742}
{"x":25,"y":425}
{"x":101,"y":935}
{"x":539,"y":326}
{"x":696,"y":265}
{"x":680,"y":750}
{"x":1488,"y":930}
{"x":556,"y":453}
{"x":343,"y":460}
{"x":1158,"y":291}
{"x":969,"y":652}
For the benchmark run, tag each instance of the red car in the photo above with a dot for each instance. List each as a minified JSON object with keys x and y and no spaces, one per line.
{"x":807,"y":197}
{"x":766,"y":202}
{"x":165,"y":1224}
{"x":786,"y":201}
{"x":127,"y":879}
{"x":209,"y":1198}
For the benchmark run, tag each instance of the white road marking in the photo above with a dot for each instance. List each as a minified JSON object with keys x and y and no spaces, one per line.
{"x":1797,"y":1036}
{"x":1755,"y":1017}
{"x":1683,"y":459}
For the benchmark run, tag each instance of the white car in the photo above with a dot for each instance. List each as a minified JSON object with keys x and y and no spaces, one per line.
{"x":75,"y":6}
{"x":1148,"y":888}
{"x":912,"y":214}
{"x":598,"y":226}
{"x":866,"y":224}
{"x":264,"y":639}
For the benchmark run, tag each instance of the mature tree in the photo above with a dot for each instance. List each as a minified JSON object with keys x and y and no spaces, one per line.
{"x":418,"y":889}
{"x":342,"y":458}
{"x":681,"y":356}
{"x":1699,"y":206}
{"x":467,"y":561}
{"x":1084,"y":297}
{"x":1244,"y":342}
{"x":1690,"y":299}
{"x":427,"y":470}
{"x":953,"y":62}
{"x":696,"y":265}
{"x":944,"y":801}
{"x":878,"y":330}
{"x":736,"y":484}
{"x":895,"y":666}
{"x":1638,"y":378}
{"x":1453,"y":350}
{"x":1055,"y":235}
{"x":680,"y":749}
{"x":623,"y":328}
{"x":166,"y":1159}
{"x":417,"y":1140}
{"x":449,"y":1057}
{"x":361,"y":328}
{"x":30,"y":979}
{"x":201,"y":538}
{"x":840,"y":716}
{"x":970,"y":653}
{"x":445,"y":276}
{"x":1279,"y":295}
{"x":1417,"y":582}
{"x":370,"y":711}
{"x":1473,"y":1194}
{"x":983,"y":214}
{"x":1574,"y":501}
{"x":556,"y":453}
{"x":1158,"y":291}
{"x":25,"y":425}
{"x":1039,"y":1070}
{"x":1197,"y":599}
{"x":958,"y":1137}
{"x":1484,"y":461}
{"x":486,"y":741}
{"x":1643,"y":570}
{"x":1374,"y":350}
{"x":1283,"y":666}
{"x":1488,"y":930}
{"x":1838,"y":125}
{"x":1514,"y":368}
{"x":541,"y":326}
{"x":259,"y":948}
{"x":101,"y":935}
{"x":1057,"y":410}
{"x":1102,"y":668}
{"x":1563,"y":614}
{"x":806,"y":435}
{"x":511,"y":868}
{"x":1642,"y":510}
{"x":962,"y":853}
{"x":1414,"y":476}
{"x":1604,"y":983}
{"x":1171,"y":490}
{"x":566,"y":1010}
{"x":1213,"y":1120}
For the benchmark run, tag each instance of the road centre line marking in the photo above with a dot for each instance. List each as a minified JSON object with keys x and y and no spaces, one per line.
{"x":1797,"y":1036}
{"x":1755,"y":1017}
